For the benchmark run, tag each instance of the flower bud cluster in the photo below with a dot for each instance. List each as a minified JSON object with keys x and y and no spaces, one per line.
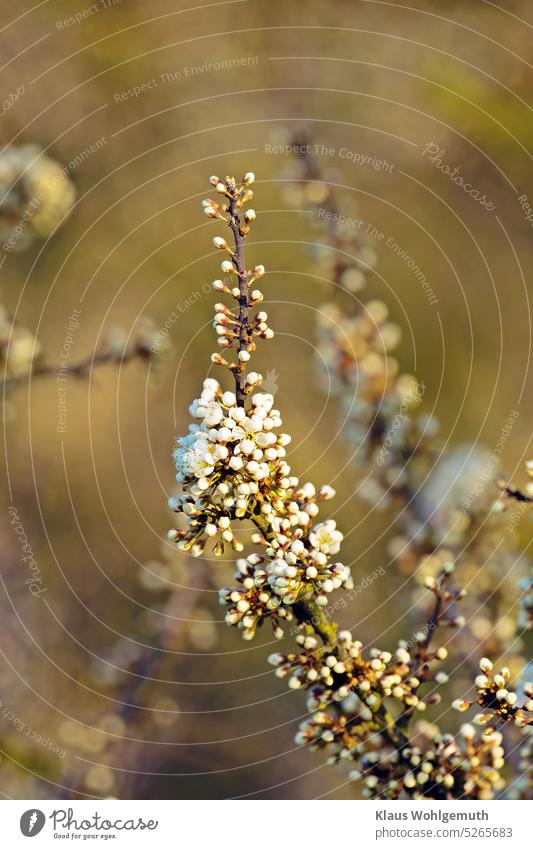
{"x":450,"y":767}
{"x":499,"y":702}
{"x":333,"y":673}
{"x":253,"y":601}
{"x":341,"y":734}
{"x":354,"y":347}
{"x":294,"y":567}
{"x":441,"y":767}
{"x":19,"y":349}
{"x":230,"y":466}
{"x":299,"y":557}
{"x":437,"y":766}
{"x":227,"y":328}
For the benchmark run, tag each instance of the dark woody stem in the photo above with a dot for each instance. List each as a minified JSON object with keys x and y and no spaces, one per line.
{"x":516,"y":494}
{"x":431,"y":624}
{"x":310,"y":613}
{"x":307,"y":610}
{"x":244,"y":302}
{"x":390,"y":727}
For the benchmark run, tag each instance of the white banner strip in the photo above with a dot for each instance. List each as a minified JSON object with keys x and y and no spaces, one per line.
{"x":264,"y":824}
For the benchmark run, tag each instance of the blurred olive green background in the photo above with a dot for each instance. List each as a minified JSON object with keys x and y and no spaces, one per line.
{"x":382,"y":79}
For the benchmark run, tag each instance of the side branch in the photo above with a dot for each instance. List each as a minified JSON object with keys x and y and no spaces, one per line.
{"x":81,"y":369}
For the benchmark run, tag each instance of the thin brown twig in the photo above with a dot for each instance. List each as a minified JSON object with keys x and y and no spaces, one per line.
{"x":244,"y":301}
{"x":81,"y":369}
{"x":516,"y":494}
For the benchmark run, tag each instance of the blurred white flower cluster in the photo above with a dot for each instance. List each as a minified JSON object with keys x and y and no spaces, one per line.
{"x":36,"y":195}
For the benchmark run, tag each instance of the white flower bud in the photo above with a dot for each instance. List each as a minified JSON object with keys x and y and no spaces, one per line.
{"x":229,"y":399}
{"x":402,"y":655}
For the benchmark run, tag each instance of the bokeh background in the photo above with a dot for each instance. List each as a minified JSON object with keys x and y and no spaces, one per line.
{"x":119,"y":679}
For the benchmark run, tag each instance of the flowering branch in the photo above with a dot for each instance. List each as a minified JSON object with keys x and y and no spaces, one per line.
{"x":231,"y":466}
